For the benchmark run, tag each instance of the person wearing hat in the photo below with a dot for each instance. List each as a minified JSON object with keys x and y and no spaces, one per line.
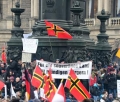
{"x":57,"y":60}
{"x":112,"y":82}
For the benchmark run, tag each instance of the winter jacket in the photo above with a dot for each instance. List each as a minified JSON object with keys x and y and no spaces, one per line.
{"x":17,"y":86}
{"x":112,"y":81}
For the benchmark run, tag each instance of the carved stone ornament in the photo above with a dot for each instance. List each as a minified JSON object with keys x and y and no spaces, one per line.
{"x":45,"y":53}
{"x":14,"y":52}
{"x":18,"y":34}
{"x":74,"y":54}
{"x":50,"y":3}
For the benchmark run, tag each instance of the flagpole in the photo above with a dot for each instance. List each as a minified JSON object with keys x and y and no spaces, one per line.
{"x":51,"y":49}
{"x":5,"y":91}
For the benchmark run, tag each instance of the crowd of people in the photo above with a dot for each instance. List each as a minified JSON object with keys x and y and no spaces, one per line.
{"x":102,"y":83}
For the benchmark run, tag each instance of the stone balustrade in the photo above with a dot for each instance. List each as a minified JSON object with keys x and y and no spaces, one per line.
{"x":115,"y":21}
{"x":90,"y":22}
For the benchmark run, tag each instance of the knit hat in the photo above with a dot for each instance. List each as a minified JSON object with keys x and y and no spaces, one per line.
{"x":11,"y":78}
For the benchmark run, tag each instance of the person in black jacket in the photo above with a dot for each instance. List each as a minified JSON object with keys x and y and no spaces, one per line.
{"x":112,"y":82}
{"x":17,"y":85}
{"x":23,"y":90}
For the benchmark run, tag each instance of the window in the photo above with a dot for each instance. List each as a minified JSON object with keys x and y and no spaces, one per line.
{"x":0,"y":9}
{"x":93,"y":8}
{"x":115,"y":9}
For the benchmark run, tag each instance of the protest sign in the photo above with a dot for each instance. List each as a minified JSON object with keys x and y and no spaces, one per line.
{"x":60,"y":71}
{"x":118,"y":88}
{"x":30,"y":45}
{"x":26,"y":57}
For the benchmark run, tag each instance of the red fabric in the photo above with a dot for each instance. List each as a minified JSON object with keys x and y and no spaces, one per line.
{"x":76,"y":88}
{"x":3,"y":57}
{"x":92,"y":81}
{"x":1,"y":85}
{"x":55,"y":30}
{"x":49,"y":90}
{"x":37,"y":78}
{"x":50,"y":74}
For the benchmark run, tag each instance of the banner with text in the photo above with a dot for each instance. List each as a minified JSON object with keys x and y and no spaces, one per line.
{"x":60,"y":71}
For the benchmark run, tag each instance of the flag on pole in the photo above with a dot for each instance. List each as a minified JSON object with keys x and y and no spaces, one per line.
{"x":75,"y":87}
{"x":3,"y":55}
{"x":12,"y":91}
{"x":60,"y":94}
{"x":49,"y":89}
{"x":55,"y":30}
{"x":51,"y":79}
{"x":118,"y":53}
{"x":29,"y":87}
{"x":37,"y":78}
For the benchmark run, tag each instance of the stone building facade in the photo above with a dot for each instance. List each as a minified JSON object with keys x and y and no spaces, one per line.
{"x":32,"y":11}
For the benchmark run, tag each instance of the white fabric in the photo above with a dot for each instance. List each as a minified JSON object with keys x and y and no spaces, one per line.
{"x":101,"y":100}
{"x":42,"y":93}
{"x":27,"y":35}
{"x":12,"y":91}
{"x":60,"y":71}
{"x":58,"y":97}
{"x":36,"y":94}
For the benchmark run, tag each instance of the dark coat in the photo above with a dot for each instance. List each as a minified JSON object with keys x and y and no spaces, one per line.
{"x":112,"y":81}
{"x":17,"y":86}
{"x":23,"y":90}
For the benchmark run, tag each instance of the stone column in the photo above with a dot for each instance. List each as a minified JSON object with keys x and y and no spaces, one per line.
{"x":106,"y":5}
{"x":9,"y":15}
{"x":32,"y":8}
{"x":36,"y":8}
{"x":100,"y":5}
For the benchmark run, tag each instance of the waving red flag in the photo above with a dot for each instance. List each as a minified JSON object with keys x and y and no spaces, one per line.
{"x":55,"y":30}
{"x":76,"y":88}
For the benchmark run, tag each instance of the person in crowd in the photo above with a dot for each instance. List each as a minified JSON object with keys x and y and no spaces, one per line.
{"x":57,"y":60}
{"x":17,"y":86}
{"x":110,"y":98}
{"x":23,"y":90}
{"x":104,"y":96}
{"x":19,"y":66}
{"x":112,"y":82}
{"x":104,"y":79}
{"x":8,"y":83}
{"x":2,"y":70}
{"x":110,"y":67}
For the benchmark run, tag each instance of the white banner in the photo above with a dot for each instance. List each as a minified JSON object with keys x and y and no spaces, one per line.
{"x":60,"y":71}
{"x":30,"y":45}
{"x":118,"y":88}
